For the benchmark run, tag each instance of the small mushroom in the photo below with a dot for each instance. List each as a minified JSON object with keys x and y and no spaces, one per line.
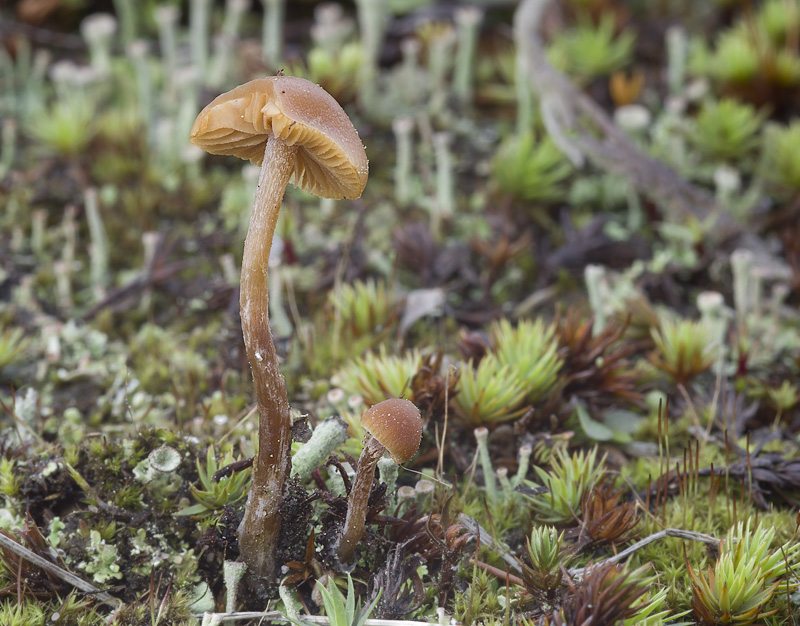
{"x":297,"y":132}
{"x":392,"y":426}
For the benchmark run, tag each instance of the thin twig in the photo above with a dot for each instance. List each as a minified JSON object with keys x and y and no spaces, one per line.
{"x":579,"y":572}
{"x":581,"y":128}
{"x":487,"y":540}
{"x":496,"y":571}
{"x":66,"y":576}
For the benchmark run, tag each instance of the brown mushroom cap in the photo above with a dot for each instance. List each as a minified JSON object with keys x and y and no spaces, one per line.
{"x":397,"y":425}
{"x":331,"y":161}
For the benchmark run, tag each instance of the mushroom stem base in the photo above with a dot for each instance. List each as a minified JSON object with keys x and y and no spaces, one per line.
{"x":260,"y":528}
{"x":359,"y":497}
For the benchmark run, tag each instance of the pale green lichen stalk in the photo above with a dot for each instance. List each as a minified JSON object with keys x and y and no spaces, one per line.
{"x":489,"y":393}
{"x":325,"y":439}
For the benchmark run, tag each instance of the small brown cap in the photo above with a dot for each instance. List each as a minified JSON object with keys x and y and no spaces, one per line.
{"x":397,"y":425}
{"x":331,"y":161}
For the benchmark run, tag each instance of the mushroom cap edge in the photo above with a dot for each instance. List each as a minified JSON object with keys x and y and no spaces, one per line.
{"x":330,"y":162}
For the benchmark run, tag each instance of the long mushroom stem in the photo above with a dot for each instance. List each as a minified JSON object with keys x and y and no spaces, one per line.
{"x":359,"y":496}
{"x":261,"y":525}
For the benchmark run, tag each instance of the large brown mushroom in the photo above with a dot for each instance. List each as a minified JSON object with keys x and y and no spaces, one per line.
{"x":297,"y":132}
{"x":392,"y":426}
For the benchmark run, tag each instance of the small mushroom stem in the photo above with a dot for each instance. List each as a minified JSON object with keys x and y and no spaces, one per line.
{"x":359,"y":496}
{"x":261,"y":525}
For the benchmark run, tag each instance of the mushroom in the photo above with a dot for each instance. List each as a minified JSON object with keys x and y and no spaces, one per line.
{"x":297,"y":132}
{"x":392,"y":426}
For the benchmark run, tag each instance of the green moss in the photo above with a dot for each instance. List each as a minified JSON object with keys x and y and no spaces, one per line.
{"x":66,"y":127}
{"x":480,"y":601}
{"x":782,"y":163}
{"x":27,"y":613}
{"x":212,"y":496}
{"x":376,"y":377}
{"x":12,"y":345}
{"x":173,"y":608}
{"x":530,"y":168}
{"x":164,"y":360}
{"x":590,"y":50}
{"x":529,"y":348}
{"x":566,"y":482}
{"x":507,"y":514}
{"x":129,"y":497}
{"x":365,"y":307}
{"x":726,"y":129}
{"x":489,"y":393}
{"x":9,"y":480}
